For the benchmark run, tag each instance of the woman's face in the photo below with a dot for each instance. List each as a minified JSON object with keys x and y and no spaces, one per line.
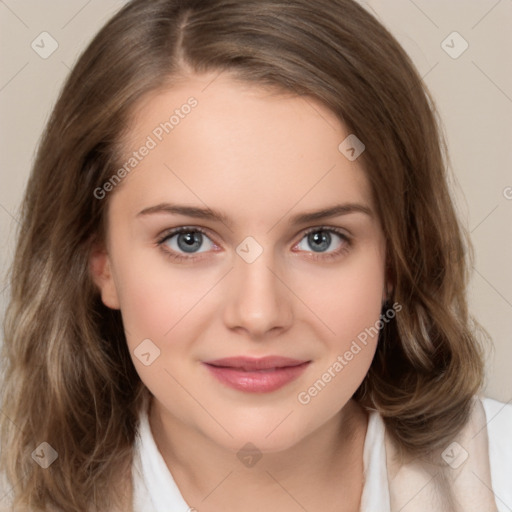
{"x":252,"y":324}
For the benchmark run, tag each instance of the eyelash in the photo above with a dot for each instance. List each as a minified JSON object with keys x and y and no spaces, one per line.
{"x":347,"y":243}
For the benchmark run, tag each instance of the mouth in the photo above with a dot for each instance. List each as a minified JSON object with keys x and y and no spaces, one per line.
{"x":256,"y":375}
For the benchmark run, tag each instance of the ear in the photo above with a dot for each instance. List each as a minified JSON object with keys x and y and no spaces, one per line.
{"x":101,"y":273}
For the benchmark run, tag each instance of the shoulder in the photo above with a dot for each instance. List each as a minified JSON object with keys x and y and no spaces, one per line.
{"x":498,"y":418}
{"x":474,"y":468}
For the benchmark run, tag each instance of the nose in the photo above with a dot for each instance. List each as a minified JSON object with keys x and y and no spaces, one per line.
{"x":258,"y":299}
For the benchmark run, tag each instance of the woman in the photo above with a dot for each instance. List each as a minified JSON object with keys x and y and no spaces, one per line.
{"x":240,"y":278}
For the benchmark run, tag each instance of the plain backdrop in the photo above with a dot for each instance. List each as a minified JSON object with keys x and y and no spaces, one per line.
{"x":472,"y":90}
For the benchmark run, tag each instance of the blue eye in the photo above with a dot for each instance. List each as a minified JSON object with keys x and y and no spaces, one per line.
{"x":186,"y":240}
{"x":187,"y":243}
{"x":320,"y":239}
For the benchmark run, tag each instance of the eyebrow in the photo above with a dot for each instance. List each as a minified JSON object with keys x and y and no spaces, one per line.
{"x":212,"y":215}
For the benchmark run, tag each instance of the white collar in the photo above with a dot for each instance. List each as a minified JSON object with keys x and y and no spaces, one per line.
{"x":375,"y":496}
{"x":154,"y":487}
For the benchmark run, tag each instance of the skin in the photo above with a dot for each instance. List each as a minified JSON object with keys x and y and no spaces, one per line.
{"x":260,"y":158}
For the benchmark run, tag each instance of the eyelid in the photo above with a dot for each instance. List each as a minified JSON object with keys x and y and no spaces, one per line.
{"x":182,"y":257}
{"x":167,"y":234}
{"x":347,"y":242}
{"x":305,"y":231}
{"x":338,"y":230}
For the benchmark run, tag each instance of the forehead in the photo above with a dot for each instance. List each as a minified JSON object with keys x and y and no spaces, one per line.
{"x":216,"y":141}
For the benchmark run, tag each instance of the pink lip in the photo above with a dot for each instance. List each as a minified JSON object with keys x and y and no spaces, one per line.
{"x":256,"y":375}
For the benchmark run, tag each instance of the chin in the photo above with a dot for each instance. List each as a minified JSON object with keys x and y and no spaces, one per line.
{"x":268,"y":436}
{"x":261,"y":444}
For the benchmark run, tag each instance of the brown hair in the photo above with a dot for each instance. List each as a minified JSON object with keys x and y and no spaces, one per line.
{"x":69,"y":379}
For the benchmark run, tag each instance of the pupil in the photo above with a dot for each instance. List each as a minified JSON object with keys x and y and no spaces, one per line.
{"x":323,"y":238}
{"x":189,"y":242}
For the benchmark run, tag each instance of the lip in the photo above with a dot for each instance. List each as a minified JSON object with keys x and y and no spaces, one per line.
{"x":256,"y":375}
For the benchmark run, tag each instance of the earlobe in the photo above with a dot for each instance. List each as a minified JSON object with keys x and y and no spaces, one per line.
{"x":389,"y":287}
{"x":101,"y":273}
{"x":388,"y":291}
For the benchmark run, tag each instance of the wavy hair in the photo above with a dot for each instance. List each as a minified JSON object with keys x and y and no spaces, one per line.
{"x":68,"y":378}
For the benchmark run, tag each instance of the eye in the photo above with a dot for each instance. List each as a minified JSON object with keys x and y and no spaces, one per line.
{"x":187,"y":243}
{"x":185,"y":240}
{"x":320,"y":239}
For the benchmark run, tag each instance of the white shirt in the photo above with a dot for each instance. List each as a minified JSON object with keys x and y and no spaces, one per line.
{"x":485,"y":445}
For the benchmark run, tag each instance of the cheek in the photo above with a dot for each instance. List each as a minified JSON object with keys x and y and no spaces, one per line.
{"x":160,"y":320}
{"x":347,"y":300}
{"x":147,"y":306}
{"x":349,"y":303}
{"x":361,"y":304}
{"x":351,"y":309}
{"x":153,"y":296}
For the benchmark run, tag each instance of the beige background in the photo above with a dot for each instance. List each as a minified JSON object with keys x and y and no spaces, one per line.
{"x":473,"y":93}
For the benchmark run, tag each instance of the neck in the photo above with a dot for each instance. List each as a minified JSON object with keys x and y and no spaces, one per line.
{"x":327,"y":463}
